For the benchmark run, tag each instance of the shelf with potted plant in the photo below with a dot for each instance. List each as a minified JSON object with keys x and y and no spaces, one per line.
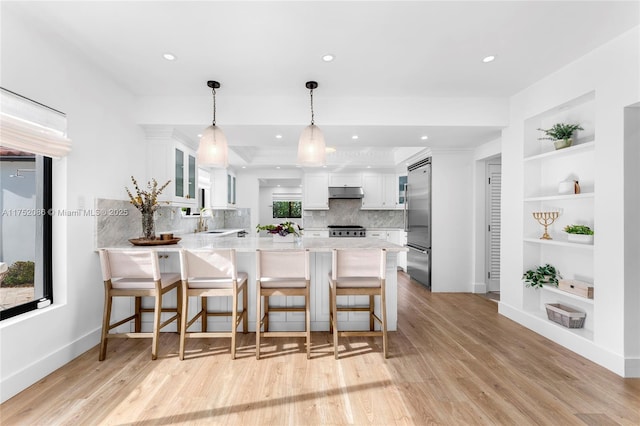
{"x":574,"y":149}
{"x":557,"y":241}
{"x":559,"y":190}
{"x":544,"y":280}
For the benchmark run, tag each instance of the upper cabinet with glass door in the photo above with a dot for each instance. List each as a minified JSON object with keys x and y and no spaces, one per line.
{"x":170,"y":158}
{"x":223,"y":189}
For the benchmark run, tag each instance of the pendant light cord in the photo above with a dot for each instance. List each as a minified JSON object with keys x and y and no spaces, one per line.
{"x":213,"y":90}
{"x":312,"y":117}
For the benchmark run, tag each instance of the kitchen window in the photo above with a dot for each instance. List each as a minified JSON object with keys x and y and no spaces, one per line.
{"x":286,"y":205}
{"x":25,"y":232}
{"x":31,"y":135}
{"x":287,"y":209}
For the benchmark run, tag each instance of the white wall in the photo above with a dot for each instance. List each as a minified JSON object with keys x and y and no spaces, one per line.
{"x":107,"y":149}
{"x":611,"y":71}
{"x":632,"y":234}
{"x":452,"y":221}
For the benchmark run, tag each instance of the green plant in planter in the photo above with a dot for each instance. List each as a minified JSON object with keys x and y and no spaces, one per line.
{"x":546,"y":274}
{"x":578,"y":229}
{"x":560,"y":131}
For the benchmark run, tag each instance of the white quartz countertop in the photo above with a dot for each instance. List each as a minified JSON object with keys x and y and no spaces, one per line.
{"x":248,"y":244}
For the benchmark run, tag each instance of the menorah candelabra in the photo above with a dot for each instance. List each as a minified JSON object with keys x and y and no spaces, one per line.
{"x":545,"y":219}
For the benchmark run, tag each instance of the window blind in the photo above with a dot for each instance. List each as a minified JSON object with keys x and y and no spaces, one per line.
{"x":28,"y":126}
{"x":286,"y":196}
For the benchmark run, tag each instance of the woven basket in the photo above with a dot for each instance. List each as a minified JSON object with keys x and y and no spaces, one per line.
{"x":565,"y":315}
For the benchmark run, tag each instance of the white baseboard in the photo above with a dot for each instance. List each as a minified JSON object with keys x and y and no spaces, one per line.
{"x":624,"y":367}
{"x":20,"y":380}
{"x":479,"y":288}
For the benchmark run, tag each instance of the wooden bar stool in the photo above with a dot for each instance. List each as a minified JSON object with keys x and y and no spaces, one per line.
{"x":282,"y":273}
{"x":358,"y":272}
{"x":136,"y":273}
{"x":212,"y":273}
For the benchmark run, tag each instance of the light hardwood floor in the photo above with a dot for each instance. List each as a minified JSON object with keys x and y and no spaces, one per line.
{"x":453,"y":361}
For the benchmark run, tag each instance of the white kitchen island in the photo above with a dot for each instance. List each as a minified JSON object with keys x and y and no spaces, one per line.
{"x":320,"y":265}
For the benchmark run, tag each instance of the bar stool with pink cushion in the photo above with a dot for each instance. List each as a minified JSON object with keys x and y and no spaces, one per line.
{"x":212,"y":273}
{"x":136,"y":273}
{"x":357,"y":272}
{"x":282,"y":273}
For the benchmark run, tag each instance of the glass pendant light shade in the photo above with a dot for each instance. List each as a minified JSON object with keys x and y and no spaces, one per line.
{"x":213,"y":149}
{"x":311,"y":148}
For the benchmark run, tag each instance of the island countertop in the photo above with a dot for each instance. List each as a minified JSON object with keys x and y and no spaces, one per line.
{"x":249,"y":244}
{"x":320,"y":260}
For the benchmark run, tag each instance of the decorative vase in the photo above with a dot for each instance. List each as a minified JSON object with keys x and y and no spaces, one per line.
{"x":563,"y":143}
{"x":289,"y":238}
{"x":148,"y":225}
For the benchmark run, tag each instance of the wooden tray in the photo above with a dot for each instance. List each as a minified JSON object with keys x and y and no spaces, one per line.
{"x":157,"y":242}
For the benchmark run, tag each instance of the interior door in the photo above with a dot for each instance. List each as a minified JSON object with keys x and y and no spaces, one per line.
{"x":494,"y":182}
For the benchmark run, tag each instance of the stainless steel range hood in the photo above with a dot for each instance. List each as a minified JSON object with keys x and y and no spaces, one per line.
{"x":345,"y":192}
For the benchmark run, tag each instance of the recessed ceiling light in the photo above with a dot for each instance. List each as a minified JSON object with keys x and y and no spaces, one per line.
{"x":199,"y":135}
{"x":277,"y":167}
{"x":324,"y":167}
{"x":169,"y":56}
{"x":424,"y":137}
{"x":489,"y":58}
{"x":278,"y":136}
{"x":368,"y":167}
{"x":328,"y":57}
{"x":329,"y":150}
{"x":244,"y":167}
{"x":354,"y":137}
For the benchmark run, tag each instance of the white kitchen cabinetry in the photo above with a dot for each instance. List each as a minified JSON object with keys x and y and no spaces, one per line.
{"x":544,"y":169}
{"x":223,"y":189}
{"x":395,"y":236}
{"x":345,"y":179}
{"x":400,"y":190}
{"x":316,"y":191}
{"x":379,"y":191}
{"x":169,"y":159}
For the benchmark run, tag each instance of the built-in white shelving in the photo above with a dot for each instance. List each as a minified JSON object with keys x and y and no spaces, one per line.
{"x":545,"y":169}
{"x":568,"y":295}
{"x":557,"y":242}
{"x":580,"y":196}
{"x":582,"y":147}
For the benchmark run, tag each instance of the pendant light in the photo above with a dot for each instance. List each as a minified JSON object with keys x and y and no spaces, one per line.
{"x":311,"y":148}
{"x":213,"y":150}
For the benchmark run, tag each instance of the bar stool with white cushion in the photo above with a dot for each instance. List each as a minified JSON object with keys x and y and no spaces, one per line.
{"x":136,"y":273}
{"x":282,"y":273}
{"x":212,"y":273}
{"x":358,"y":272}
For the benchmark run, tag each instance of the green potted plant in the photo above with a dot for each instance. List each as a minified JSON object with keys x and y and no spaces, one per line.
{"x":579,"y":234}
{"x":546,"y":274}
{"x":561,"y":134}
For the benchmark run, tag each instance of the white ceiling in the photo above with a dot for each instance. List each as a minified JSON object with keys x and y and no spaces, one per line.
{"x":383,"y":49}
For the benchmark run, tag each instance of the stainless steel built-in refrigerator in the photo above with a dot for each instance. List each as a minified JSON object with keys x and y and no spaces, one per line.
{"x":418,"y":221}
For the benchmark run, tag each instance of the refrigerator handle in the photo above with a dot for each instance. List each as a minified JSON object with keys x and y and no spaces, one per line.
{"x":410,"y":247}
{"x":406,"y":207}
